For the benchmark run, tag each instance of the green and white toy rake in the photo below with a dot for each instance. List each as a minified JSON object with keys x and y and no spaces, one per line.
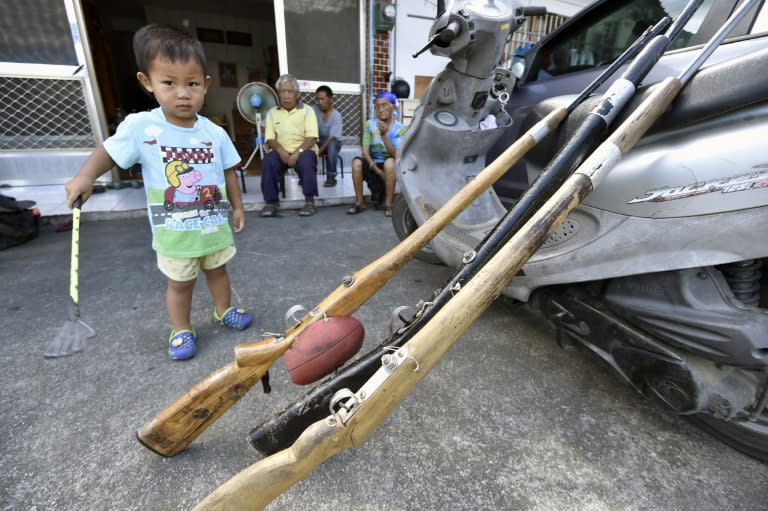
{"x":73,"y":334}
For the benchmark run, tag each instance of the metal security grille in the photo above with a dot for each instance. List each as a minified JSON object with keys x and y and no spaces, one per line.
{"x":532,"y":31}
{"x":349,"y":107}
{"x":44,"y":113}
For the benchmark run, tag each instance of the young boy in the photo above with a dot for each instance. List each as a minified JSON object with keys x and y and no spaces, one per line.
{"x":381,"y":138}
{"x":188,"y":170}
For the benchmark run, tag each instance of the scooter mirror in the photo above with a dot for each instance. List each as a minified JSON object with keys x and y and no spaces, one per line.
{"x":518,"y":66}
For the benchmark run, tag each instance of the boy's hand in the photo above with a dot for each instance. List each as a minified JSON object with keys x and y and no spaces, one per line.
{"x":82,"y":184}
{"x":238,"y":220}
{"x":78,"y":186}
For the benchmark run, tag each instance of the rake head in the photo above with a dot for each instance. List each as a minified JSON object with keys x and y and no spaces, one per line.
{"x":72,"y":335}
{"x":70,"y":339}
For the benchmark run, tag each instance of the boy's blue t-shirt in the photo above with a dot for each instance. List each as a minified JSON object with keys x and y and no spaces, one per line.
{"x":183,"y":172}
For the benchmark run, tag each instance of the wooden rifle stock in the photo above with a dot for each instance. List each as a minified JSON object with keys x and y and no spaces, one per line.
{"x":361,"y":414}
{"x":176,"y":426}
{"x":262,"y":482}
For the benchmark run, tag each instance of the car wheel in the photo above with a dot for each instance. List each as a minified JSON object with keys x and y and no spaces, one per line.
{"x":404,"y":224}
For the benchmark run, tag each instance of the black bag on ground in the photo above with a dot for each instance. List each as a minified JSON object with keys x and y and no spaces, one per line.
{"x":19,"y":223}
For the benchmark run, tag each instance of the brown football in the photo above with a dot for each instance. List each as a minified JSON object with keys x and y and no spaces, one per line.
{"x":323,"y":347}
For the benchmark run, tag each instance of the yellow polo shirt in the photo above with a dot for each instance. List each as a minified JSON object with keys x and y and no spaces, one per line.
{"x":291,"y":128}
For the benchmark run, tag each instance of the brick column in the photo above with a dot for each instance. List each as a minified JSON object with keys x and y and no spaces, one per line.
{"x":381,"y":63}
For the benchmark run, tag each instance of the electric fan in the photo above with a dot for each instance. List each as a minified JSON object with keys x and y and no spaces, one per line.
{"x":253,"y":99}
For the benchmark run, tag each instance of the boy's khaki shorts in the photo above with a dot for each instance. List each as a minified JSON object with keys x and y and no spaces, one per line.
{"x":182,"y":270}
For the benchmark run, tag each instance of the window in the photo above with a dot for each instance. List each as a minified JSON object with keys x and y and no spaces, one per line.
{"x":761,"y":22}
{"x":600,"y":37}
{"x":36,"y":32}
{"x":322,"y":40}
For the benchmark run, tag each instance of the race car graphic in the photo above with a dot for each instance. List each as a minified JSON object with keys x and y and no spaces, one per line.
{"x":185,"y":190}
{"x":206,"y":195}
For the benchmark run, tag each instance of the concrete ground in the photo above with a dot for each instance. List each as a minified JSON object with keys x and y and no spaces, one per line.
{"x":506,"y":421}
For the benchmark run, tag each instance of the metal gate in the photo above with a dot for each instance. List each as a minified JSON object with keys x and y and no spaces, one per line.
{"x":49,"y":118}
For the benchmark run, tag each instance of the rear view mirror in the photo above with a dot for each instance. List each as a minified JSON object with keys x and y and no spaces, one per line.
{"x":518,"y":66}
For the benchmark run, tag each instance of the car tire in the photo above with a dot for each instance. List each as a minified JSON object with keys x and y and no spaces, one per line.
{"x":749,"y":437}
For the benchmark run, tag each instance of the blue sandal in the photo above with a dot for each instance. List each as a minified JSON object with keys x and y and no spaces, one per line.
{"x":182,"y":345}
{"x":233,"y":318}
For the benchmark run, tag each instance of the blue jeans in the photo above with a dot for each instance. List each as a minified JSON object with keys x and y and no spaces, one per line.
{"x":331,"y":157}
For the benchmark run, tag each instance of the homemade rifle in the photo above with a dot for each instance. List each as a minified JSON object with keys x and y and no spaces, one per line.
{"x":176,"y":426}
{"x":280,"y":430}
{"x":355,"y":416}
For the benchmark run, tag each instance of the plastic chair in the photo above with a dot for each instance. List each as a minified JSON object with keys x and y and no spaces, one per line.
{"x":322,"y":156}
{"x":281,"y":183}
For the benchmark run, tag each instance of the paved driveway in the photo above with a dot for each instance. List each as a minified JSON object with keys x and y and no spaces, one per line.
{"x":506,"y":420}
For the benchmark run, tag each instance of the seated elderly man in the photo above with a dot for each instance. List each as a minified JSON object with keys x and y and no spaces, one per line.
{"x":291,"y":136}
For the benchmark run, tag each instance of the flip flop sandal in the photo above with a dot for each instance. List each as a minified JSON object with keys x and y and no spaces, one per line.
{"x":354,"y":210}
{"x":268,"y":211}
{"x":307,"y":210}
{"x":387,"y":211}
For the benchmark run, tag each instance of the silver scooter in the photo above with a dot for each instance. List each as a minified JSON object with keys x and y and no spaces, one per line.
{"x":658,"y":271}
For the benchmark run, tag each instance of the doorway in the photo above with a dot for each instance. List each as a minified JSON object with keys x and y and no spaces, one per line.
{"x":239,"y":41}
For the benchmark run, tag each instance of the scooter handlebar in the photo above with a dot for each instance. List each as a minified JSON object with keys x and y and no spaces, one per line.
{"x":533,"y":10}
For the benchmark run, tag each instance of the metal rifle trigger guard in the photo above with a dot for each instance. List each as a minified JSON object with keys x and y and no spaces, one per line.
{"x":266,"y":387}
{"x":422,"y":306}
{"x":341,"y":395}
{"x":395,"y":316}
{"x":290,"y":315}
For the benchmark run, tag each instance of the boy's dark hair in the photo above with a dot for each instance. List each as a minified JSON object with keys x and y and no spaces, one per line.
{"x":163,"y":41}
{"x":326,"y":89}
